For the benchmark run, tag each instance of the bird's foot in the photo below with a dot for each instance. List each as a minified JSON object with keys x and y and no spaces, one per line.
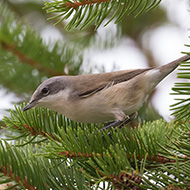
{"x":120,"y":124}
{"x":114,"y":124}
{"x":128,"y":119}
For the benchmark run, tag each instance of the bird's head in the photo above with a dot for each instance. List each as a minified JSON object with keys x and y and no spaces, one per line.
{"x":48,"y":93}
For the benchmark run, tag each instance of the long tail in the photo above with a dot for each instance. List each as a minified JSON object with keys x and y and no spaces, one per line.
{"x":157,"y":74}
{"x":168,"y":68}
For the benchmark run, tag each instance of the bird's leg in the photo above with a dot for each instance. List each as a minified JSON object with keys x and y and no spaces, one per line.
{"x":110,"y":125}
{"x":119,"y":115}
{"x":128,"y":119}
{"x":120,"y":124}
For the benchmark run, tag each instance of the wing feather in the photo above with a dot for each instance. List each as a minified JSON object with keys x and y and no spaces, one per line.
{"x":89,"y":84}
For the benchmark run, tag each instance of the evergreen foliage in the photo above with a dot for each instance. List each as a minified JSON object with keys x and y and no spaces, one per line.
{"x":84,"y":12}
{"x":181,"y":108}
{"x":23,"y":47}
{"x":45,"y":150}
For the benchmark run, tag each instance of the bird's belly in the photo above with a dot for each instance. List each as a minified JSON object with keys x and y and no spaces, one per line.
{"x":124,"y":98}
{"x":103,"y":108}
{"x":91,"y":114}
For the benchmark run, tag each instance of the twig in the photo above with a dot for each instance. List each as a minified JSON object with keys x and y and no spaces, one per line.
{"x":77,"y":4}
{"x":23,"y":58}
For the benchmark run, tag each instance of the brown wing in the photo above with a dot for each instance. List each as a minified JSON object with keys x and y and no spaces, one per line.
{"x":89,"y":84}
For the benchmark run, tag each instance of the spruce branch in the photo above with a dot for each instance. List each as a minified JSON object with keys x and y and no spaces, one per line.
{"x":35,"y":133}
{"x":117,"y":154}
{"x":24,"y":43}
{"x":182,"y":107}
{"x":24,"y":59}
{"x":30,"y":171}
{"x":67,"y":131}
{"x":9,"y":166}
{"x":156,"y":159}
{"x":96,"y":11}
{"x":76,"y":5}
{"x":125,"y":180}
{"x":47,"y":117}
{"x":7,"y":171}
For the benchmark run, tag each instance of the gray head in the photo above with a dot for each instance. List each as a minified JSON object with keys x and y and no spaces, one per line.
{"x":46,"y":92}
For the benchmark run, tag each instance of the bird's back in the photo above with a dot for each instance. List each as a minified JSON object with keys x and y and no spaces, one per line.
{"x":89,"y":84}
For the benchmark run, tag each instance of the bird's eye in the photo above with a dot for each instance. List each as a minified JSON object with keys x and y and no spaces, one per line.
{"x":45,"y":91}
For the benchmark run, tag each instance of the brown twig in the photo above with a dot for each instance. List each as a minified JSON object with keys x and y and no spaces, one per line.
{"x":23,"y":58}
{"x":172,"y":187}
{"x":157,"y":158}
{"x":36,"y":132}
{"x":7,"y":171}
{"x":125,"y":180}
{"x":77,"y":4}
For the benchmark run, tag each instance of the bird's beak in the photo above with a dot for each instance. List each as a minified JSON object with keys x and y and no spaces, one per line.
{"x":31,"y":104}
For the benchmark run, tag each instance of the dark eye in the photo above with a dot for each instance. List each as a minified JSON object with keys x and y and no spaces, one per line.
{"x":45,"y":91}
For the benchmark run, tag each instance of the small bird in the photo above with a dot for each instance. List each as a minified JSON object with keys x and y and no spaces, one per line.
{"x":100,"y":98}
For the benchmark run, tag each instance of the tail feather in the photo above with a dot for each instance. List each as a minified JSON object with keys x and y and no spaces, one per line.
{"x":168,"y":68}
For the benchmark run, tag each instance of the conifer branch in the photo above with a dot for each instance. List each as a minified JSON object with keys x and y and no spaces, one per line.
{"x":31,"y":171}
{"x":182,"y":107}
{"x":157,"y":158}
{"x":23,"y":58}
{"x":88,"y":12}
{"x":34,"y":132}
{"x":172,"y":187}
{"x":7,"y":171}
{"x":24,"y":51}
{"x":124,"y":180}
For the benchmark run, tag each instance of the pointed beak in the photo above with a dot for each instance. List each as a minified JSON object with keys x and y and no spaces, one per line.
{"x":31,"y":104}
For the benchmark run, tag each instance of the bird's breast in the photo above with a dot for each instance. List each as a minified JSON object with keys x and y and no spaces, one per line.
{"x":125,"y":97}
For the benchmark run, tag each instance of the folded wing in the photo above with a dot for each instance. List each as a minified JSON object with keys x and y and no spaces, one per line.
{"x":89,"y":84}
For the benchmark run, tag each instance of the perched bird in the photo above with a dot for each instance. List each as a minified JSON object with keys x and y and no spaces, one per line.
{"x":95,"y":98}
